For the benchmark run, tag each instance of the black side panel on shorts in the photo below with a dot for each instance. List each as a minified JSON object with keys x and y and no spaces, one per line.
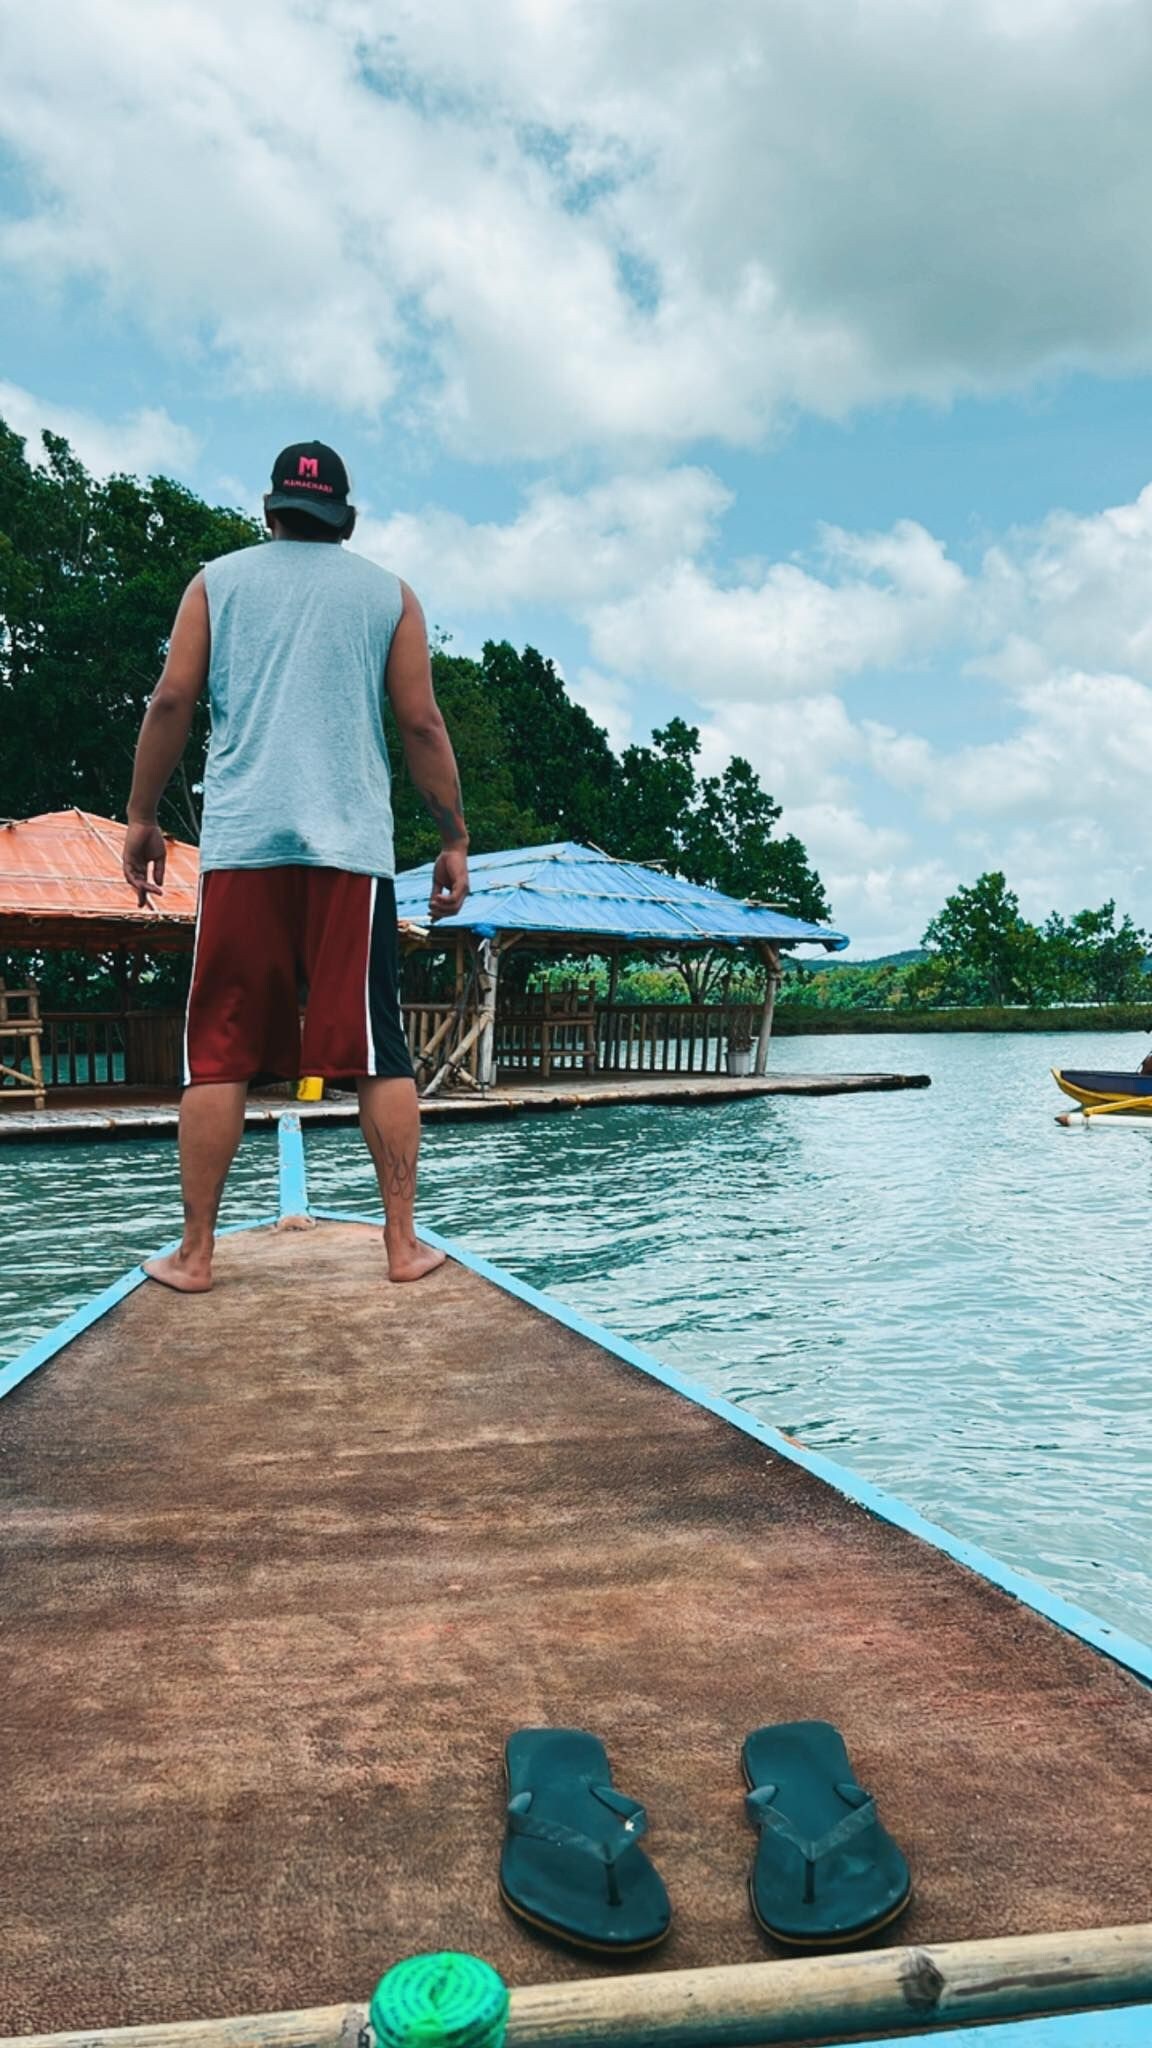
{"x":391,"y":1057}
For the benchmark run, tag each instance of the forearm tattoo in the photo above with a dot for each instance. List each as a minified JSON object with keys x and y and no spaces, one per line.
{"x":447,"y":818}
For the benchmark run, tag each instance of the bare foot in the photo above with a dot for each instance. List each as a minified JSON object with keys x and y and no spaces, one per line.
{"x":408,"y":1259}
{"x":185,"y":1274}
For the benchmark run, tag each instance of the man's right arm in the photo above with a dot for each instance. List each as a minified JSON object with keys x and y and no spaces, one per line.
{"x":428,"y":752}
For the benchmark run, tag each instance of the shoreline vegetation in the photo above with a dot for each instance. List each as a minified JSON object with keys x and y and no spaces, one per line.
{"x":797,"y":1020}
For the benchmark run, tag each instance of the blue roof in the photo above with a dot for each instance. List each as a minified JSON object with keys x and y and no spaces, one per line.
{"x":576,"y":891}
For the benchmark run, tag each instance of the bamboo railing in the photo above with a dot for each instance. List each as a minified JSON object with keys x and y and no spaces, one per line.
{"x":566,"y":1034}
{"x":673,"y":1038}
{"x":888,"y":1991}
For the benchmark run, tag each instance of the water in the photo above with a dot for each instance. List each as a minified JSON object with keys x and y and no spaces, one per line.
{"x":939,"y":1288}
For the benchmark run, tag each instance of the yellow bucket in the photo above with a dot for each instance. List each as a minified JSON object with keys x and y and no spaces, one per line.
{"x":310,"y":1090}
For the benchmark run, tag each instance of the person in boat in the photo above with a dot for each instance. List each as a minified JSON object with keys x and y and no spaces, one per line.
{"x":1146,"y":1063}
{"x":296,"y":641}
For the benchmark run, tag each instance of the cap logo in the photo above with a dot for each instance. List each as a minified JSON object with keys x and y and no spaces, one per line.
{"x":309,"y":466}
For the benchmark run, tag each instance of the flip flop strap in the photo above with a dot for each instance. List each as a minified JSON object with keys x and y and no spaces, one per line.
{"x":632,"y":1817}
{"x":763,"y":1814}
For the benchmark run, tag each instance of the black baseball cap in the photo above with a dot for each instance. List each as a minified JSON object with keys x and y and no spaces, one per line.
{"x":310,"y":477}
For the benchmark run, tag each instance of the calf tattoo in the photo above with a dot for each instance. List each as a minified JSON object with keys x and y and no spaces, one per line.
{"x":395,"y":1165}
{"x":398,"y":1169}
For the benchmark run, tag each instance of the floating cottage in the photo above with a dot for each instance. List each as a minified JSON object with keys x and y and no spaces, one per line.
{"x":564,"y":900}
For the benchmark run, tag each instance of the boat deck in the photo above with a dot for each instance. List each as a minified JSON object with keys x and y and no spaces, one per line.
{"x":283,"y":1564}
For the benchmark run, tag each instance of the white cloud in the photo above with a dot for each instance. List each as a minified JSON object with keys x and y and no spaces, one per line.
{"x":145,"y":443}
{"x":1082,"y":747}
{"x":789,"y":632}
{"x":1072,"y":592}
{"x":885,"y":905}
{"x":547,"y":227}
{"x":564,"y":548}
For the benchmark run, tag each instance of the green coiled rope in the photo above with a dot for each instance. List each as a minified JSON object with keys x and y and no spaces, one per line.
{"x":440,"y":2001}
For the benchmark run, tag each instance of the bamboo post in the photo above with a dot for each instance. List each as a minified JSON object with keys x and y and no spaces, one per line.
{"x":771,"y":958}
{"x":743,"y":2005}
{"x":24,"y":1029}
{"x":487,"y":976}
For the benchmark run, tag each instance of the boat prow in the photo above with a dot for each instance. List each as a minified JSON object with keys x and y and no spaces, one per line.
{"x":1093,"y":1090}
{"x":285,"y":1563}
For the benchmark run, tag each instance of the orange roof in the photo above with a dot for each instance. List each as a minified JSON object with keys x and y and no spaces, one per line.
{"x":61,"y":883}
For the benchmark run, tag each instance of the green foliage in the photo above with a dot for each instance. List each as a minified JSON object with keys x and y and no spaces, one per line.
{"x":981,"y":933}
{"x":982,"y":951}
{"x":717,"y":831}
{"x":563,"y":771}
{"x":982,"y":954}
{"x":495,"y":816}
{"x":871,"y":986}
{"x":796,"y":1019}
{"x":100,"y":981}
{"x":90,"y":578}
{"x":645,"y":981}
{"x":1092,"y":958}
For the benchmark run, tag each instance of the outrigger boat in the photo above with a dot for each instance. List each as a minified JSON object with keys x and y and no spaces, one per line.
{"x":285,"y":1563}
{"x":1117,"y":1099}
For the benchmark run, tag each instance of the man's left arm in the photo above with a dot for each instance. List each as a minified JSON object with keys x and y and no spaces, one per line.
{"x":163,"y":738}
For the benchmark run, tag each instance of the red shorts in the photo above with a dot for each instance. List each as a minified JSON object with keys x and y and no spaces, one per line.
{"x":264,"y":936}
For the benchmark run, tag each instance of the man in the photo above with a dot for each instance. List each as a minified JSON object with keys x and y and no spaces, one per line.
{"x":297,"y":641}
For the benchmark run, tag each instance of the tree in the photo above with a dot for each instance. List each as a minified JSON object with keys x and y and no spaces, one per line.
{"x":495,"y":818}
{"x":980,"y":932}
{"x":564,"y":772}
{"x":1093,"y":958}
{"x":90,"y":577}
{"x":718,"y":832}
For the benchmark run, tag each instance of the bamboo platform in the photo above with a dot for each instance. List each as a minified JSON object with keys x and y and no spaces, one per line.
{"x":86,"y":1114}
{"x":283,"y":1565}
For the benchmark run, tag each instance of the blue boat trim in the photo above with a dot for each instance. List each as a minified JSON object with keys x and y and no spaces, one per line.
{"x":1077,"y":1621}
{"x":82,"y":1319}
{"x":293,"y":1171}
{"x":1127,"y":2026}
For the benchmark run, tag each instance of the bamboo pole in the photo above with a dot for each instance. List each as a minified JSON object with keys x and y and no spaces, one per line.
{"x":454,"y":1061}
{"x":771,"y":958}
{"x":487,"y":975}
{"x":777,"y":2003}
{"x":1140,"y":1102}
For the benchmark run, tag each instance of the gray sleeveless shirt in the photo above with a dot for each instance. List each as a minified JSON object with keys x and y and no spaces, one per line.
{"x":298,"y":771}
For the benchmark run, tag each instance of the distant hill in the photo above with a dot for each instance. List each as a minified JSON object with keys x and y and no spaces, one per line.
{"x":906,"y":959}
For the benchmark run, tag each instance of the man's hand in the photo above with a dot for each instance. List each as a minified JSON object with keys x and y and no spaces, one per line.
{"x":144,"y":847}
{"x":449,"y":882}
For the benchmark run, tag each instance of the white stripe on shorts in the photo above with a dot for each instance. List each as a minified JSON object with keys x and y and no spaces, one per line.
{"x":368,"y":980}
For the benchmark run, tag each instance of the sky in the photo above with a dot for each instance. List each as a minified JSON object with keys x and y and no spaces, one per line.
{"x":781,"y":365}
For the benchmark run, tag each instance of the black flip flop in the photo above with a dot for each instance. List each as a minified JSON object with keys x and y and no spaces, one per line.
{"x":572,"y":1864}
{"x":826,"y":1871}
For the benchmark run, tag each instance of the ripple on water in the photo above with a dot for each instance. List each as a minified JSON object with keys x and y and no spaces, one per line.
{"x":938,"y":1288}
